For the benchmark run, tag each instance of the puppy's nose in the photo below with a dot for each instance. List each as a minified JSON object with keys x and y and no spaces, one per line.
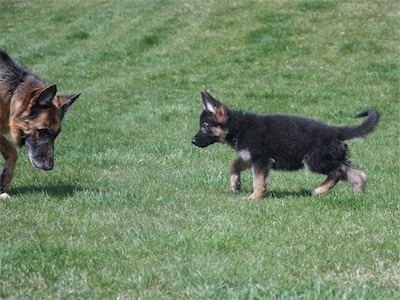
{"x":194,"y":141}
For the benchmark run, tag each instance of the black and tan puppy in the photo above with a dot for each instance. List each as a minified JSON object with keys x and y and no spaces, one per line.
{"x":32,"y":112}
{"x":265,"y":142}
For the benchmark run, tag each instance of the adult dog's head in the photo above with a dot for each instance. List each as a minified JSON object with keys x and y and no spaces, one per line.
{"x":38,"y":123}
{"x":213,"y":122}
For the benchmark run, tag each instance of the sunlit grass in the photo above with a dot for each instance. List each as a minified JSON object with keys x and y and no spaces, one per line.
{"x":133,"y":210}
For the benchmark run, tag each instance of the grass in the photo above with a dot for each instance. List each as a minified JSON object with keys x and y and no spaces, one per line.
{"x":133,"y":210}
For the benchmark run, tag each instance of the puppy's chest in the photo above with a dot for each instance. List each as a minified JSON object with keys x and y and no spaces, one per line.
{"x":241,"y":150}
{"x":245,"y":155}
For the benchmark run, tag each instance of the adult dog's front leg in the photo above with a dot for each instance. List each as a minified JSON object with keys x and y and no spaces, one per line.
{"x":237,"y":166}
{"x":10,"y":156}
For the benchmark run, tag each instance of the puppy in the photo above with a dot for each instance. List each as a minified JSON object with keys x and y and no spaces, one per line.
{"x":265,"y":142}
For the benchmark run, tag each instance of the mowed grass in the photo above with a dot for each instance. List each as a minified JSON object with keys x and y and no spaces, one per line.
{"x":133,"y":210}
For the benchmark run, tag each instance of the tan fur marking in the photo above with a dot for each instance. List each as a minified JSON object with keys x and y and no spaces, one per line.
{"x":4,"y":116}
{"x":237,"y":166}
{"x":10,"y":154}
{"x":259,"y":184}
{"x":353,"y":176}
{"x":356,"y":178}
{"x":219,"y":133}
{"x":235,"y":182}
{"x":47,"y":119}
{"x":330,"y":181}
{"x":221,"y":115}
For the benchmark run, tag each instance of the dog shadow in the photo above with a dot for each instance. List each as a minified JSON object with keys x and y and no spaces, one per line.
{"x":279,"y":194}
{"x":55,"y":190}
{"x":283,"y":194}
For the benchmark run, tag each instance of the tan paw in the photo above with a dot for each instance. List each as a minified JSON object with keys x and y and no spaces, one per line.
{"x":256,"y":196}
{"x":5,"y":196}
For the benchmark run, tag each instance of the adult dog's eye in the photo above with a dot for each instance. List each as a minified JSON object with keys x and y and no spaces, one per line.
{"x":44,"y":132}
{"x":23,"y":140}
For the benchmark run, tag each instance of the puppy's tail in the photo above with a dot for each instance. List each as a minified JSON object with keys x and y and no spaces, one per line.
{"x":351,"y":132}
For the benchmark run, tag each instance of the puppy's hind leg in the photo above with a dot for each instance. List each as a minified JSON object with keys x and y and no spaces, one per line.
{"x":237,"y":166}
{"x":331,"y":180}
{"x":356,"y":178}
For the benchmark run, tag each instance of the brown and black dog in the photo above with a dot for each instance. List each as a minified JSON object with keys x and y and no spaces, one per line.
{"x":32,"y":112}
{"x":265,"y":142}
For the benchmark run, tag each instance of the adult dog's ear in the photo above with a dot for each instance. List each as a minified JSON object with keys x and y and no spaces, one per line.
{"x":40,"y":102}
{"x":212,"y":105}
{"x":66,"y":101}
{"x":45,"y":98}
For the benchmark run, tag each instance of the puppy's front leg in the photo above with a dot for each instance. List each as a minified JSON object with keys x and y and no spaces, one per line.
{"x":260,"y":177}
{"x":237,"y":166}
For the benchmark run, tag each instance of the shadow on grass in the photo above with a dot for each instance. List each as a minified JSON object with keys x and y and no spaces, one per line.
{"x":283,"y":194}
{"x":55,"y":190}
{"x":278,"y":194}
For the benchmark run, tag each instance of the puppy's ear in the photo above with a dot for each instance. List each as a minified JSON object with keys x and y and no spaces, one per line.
{"x":210,"y":103}
{"x":219,"y":110}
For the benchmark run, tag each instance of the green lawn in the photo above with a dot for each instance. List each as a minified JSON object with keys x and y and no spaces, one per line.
{"x":132,"y":210}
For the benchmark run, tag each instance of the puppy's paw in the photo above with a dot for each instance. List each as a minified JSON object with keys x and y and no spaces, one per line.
{"x":256,"y":196}
{"x":319,"y":190}
{"x":4,"y":196}
{"x":235,"y":183}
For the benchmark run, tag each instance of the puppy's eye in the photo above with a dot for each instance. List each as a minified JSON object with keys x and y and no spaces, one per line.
{"x":204,"y":127}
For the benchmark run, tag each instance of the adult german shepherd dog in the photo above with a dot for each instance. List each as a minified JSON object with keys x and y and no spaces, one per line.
{"x":32,"y":112}
{"x":265,"y":142}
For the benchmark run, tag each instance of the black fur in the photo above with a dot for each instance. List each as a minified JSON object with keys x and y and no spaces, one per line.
{"x":281,"y":142}
{"x":12,"y":71}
